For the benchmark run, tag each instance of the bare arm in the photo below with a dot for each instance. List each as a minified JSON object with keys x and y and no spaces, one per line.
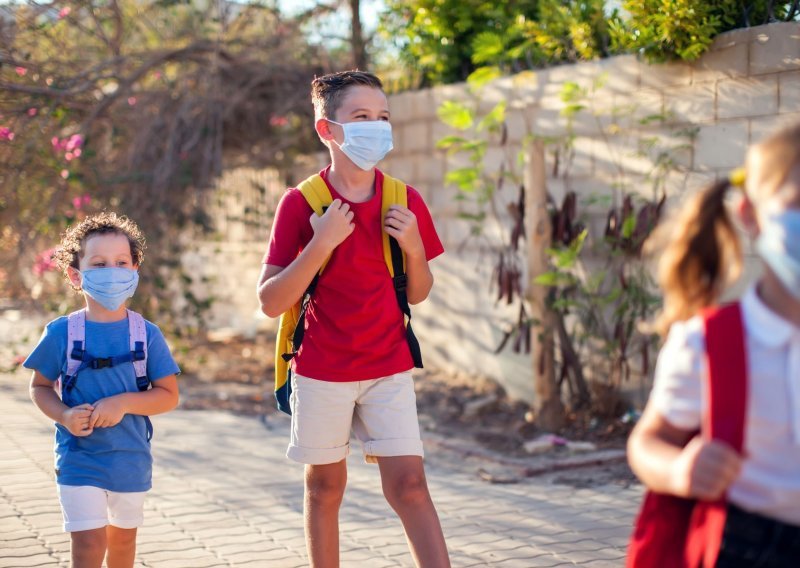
{"x":163,"y":397}
{"x":45,"y":397}
{"x":671,"y":460}
{"x":280,"y":288}
{"x":420,"y":278}
{"x":401,"y":223}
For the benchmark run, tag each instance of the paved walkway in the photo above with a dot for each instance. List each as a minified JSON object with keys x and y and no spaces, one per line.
{"x":225,"y":495}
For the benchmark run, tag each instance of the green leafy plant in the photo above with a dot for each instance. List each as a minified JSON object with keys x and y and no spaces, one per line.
{"x":599,"y":288}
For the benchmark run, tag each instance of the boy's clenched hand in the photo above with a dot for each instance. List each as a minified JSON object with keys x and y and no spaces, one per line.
{"x":107,"y":412}
{"x":76,"y":419}
{"x":401,"y":224}
{"x":335,"y":225}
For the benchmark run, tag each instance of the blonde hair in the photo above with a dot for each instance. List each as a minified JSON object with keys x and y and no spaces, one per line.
{"x":703,"y":252}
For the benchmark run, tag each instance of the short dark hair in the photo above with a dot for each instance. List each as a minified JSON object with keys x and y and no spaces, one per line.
{"x":70,"y":250}
{"x":327,"y":91}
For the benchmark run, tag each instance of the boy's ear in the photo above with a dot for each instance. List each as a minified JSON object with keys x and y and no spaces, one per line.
{"x":323,"y":128}
{"x":74,"y":276}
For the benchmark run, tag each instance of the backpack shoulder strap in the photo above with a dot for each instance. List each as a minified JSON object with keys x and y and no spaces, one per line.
{"x":395,"y":192}
{"x":318,"y":196}
{"x":137,"y":332}
{"x":76,"y":340}
{"x":723,"y":420}
{"x":727,"y":374}
{"x":316,"y":192}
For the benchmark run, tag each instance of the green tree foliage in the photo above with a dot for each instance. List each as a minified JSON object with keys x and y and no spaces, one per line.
{"x":131,"y":106}
{"x":446,"y":40}
{"x":439,"y":37}
{"x":683,"y":29}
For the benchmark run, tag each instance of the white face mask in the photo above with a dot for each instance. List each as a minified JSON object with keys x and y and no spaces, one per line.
{"x":366,"y":142}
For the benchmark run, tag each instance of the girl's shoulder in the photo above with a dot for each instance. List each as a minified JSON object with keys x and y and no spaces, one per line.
{"x":685,"y":338}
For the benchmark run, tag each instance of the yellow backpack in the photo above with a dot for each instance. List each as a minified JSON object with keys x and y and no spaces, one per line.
{"x":292,"y":323}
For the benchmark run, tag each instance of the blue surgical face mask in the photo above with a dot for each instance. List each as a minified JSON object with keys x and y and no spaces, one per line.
{"x":778,"y":245}
{"x":366,"y":142}
{"x":110,"y":287}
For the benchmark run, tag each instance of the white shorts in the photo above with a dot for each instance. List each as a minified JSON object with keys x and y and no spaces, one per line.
{"x":85,"y":508}
{"x":382,"y":413}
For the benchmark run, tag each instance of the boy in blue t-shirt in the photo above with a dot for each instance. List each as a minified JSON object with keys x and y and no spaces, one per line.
{"x":103,"y":462}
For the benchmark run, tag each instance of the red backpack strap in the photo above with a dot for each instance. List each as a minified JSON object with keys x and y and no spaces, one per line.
{"x":727,"y":374}
{"x":724,"y":420}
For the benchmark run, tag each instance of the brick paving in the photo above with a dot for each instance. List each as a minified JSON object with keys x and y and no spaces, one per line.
{"x":225,"y":495}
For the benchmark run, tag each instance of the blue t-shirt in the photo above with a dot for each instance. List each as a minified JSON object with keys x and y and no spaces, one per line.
{"x":116,"y":458}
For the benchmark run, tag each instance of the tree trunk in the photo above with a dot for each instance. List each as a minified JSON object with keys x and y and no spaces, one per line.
{"x":548,"y":406}
{"x":357,"y":39}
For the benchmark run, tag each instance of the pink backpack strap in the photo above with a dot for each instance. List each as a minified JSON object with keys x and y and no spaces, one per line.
{"x":138,"y":342}
{"x":76,"y":340}
{"x":724,"y":420}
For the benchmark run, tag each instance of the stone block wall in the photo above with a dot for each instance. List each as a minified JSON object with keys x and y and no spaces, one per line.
{"x":704,"y":114}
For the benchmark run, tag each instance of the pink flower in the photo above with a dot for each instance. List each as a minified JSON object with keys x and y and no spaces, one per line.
{"x":21,"y":71}
{"x":276,"y":120}
{"x":74,"y":141}
{"x":80,"y":201}
{"x":6,"y":134}
{"x":64,"y":12}
{"x":77,"y":152}
{"x":157,"y":74}
{"x":68,"y":156}
{"x":131,"y":101}
{"x":44,"y":262}
{"x":33,"y":111}
{"x":64,"y":174}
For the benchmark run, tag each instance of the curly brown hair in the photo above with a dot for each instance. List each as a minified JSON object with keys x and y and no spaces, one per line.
{"x":70,"y":250}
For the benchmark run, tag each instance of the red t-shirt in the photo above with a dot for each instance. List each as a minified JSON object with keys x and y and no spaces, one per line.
{"x":354,"y":327}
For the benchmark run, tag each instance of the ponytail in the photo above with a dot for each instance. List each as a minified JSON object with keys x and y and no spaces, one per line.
{"x":702,"y":254}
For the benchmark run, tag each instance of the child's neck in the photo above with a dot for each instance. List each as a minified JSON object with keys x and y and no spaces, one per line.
{"x":97,"y":313}
{"x":352,"y":183}
{"x":778,"y":299}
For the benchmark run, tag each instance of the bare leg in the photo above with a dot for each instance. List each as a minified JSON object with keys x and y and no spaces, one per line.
{"x":406,"y":490}
{"x":88,"y":548}
{"x":324,"y":491}
{"x":121,"y":547}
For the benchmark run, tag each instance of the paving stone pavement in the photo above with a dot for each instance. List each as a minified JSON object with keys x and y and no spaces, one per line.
{"x":225,"y":495}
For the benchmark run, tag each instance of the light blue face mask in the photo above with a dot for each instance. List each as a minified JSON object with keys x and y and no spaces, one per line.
{"x":110,"y":287}
{"x":366,"y":142}
{"x":778,"y":245}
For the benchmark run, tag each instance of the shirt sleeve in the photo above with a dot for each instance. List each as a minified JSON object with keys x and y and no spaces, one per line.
{"x":427,"y":229}
{"x":291,"y":229}
{"x":679,"y":388}
{"x":160,"y":363}
{"x":50,"y":354}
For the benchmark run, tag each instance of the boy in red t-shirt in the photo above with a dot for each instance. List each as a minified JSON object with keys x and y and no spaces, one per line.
{"x":353,"y":369}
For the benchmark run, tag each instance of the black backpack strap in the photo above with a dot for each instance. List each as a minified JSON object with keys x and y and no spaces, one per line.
{"x":400,"y":282}
{"x":300,"y":330}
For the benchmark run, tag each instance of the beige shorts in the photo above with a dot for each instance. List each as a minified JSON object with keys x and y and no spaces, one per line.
{"x":85,"y":507}
{"x":382,"y":413}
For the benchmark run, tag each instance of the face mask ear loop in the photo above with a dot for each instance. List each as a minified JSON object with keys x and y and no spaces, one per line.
{"x":344,"y":133}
